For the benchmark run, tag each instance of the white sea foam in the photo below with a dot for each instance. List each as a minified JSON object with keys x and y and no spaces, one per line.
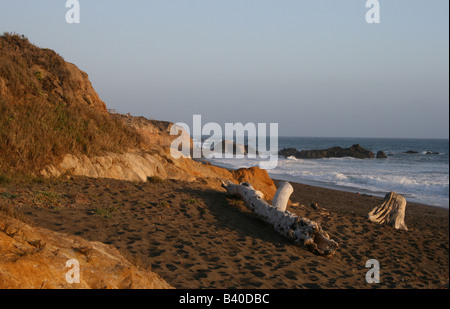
{"x":420,"y":178}
{"x":370,"y":176}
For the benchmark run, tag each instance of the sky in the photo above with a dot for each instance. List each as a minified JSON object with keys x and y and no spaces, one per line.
{"x":315,"y":67}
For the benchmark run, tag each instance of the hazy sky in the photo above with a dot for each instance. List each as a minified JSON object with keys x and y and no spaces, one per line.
{"x":313,"y":66}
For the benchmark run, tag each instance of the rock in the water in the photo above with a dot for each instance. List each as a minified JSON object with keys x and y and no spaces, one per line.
{"x":356,"y":151}
{"x":381,"y":155}
{"x":411,"y":152}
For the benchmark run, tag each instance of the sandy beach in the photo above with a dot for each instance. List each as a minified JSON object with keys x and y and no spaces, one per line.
{"x":197,"y":238}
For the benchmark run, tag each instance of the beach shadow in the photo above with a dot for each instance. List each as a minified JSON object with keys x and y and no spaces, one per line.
{"x":230,"y":213}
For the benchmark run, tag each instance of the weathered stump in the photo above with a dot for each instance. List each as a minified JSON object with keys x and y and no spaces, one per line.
{"x":281,"y":198}
{"x":301,"y":231}
{"x":391,"y":211}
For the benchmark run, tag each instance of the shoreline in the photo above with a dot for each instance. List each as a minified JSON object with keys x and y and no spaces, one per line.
{"x":369,"y":194}
{"x":321,"y":193}
{"x":333,"y":187}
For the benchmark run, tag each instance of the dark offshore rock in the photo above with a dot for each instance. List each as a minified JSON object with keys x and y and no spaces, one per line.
{"x":381,"y":155}
{"x":356,"y":151}
{"x":411,"y":152}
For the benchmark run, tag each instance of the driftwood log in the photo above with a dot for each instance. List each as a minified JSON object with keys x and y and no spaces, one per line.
{"x":391,"y":211}
{"x":301,"y":231}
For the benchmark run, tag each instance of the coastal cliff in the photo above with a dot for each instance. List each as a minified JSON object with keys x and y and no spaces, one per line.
{"x":53,"y":124}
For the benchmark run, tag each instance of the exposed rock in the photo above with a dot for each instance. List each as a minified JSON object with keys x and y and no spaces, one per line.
{"x":381,"y":155}
{"x":355,"y":151}
{"x":137,"y":166}
{"x":153,"y":132}
{"x":35,"y":258}
{"x":130,"y":166}
{"x":259,"y":179}
{"x":411,"y":152}
{"x":83,"y":92}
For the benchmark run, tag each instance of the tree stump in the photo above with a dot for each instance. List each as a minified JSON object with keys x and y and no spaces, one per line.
{"x":281,"y":198}
{"x":301,"y":231}
{"x":391,"y":211}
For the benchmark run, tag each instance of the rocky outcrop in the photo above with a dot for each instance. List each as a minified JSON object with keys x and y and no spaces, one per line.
{"x":83,"y":93}
{"x":154,"y":132}
{"x":35,"y":258}
{"x":133,"y":166}
{"x":259,"y":179}
{"x":139,"y":166}
{"x":136,"y":166}
{"x":356,"y":151}
{"x":381,"y":155}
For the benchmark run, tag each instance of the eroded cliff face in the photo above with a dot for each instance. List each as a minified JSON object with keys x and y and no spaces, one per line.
{"x":138,"y":165}
{"x":35,"y":258}
{"x":83,"y":92}
{"x":155,"y":132}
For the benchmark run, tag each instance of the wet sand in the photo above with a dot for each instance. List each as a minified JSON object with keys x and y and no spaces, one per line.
{"x":195,"y":237}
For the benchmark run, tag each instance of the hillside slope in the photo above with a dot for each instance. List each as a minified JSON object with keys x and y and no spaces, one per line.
{"x":49,"y":108}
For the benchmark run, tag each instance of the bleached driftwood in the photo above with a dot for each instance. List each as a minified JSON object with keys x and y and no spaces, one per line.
{"x":391,"y":211}
{"x":281,"y":198}
{"x":301,"y":231}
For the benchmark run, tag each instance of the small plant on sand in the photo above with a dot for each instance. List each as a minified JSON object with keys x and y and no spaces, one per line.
{"x":8,"y":195}
{"x":155,"y":179}
{"x":11,"y":211}
{"x":47,"y":199}
{"x":38,"y":75}
{"x":193,"y":201}
{"x":49,"y":194}
{"x":4,"y":179}
{"x":105,"y":212}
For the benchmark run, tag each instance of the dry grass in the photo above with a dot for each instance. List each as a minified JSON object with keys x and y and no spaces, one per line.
{"x":38,"y":125}
{"x":8,"y":209}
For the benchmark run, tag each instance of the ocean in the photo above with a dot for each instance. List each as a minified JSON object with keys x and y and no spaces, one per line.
{"x":421,"y":177}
